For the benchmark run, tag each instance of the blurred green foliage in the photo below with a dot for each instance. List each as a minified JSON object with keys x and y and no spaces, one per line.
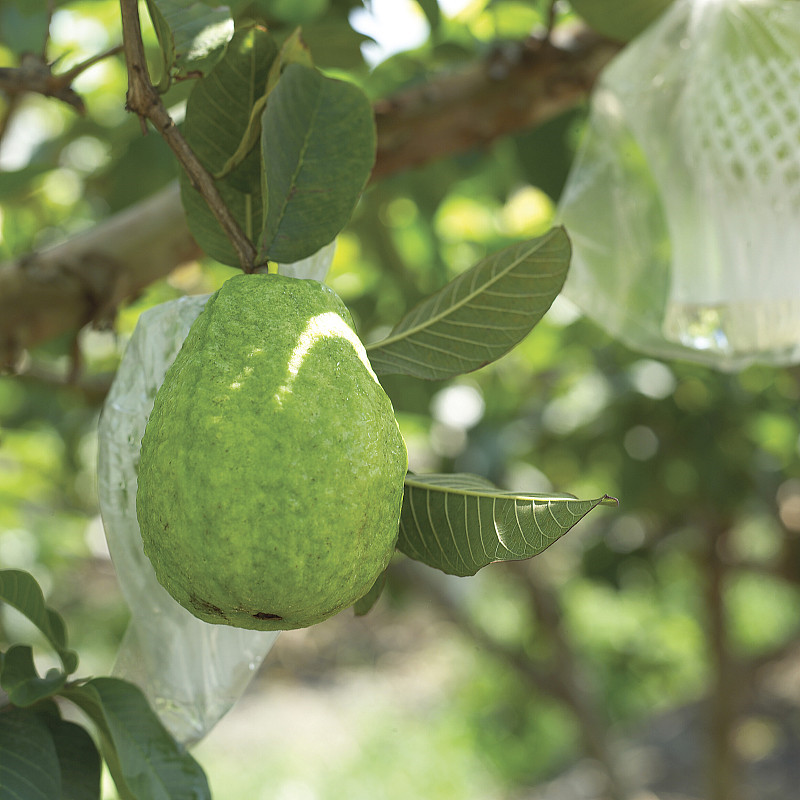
{"x":685,"y":449}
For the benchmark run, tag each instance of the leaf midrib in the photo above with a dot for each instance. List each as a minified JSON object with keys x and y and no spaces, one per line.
{"x":465,"y":300}
{"x":300,"y":162}
{"x":498,"y":495}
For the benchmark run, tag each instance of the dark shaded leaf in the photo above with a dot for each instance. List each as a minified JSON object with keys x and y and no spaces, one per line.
{"x":365,"y":604}
{"x":144,"y":760}
{"x":29,"y":767}
{"x":81,"y":766}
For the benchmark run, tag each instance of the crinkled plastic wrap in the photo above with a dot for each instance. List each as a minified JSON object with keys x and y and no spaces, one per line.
{"x":190,"y":671}
{"x":683,"y":204}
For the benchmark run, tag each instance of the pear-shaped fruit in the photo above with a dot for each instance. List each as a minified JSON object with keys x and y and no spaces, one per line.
{"x":271,"y":472}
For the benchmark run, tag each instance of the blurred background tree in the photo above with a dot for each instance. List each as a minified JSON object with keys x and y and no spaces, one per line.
{"x":652,"y":653}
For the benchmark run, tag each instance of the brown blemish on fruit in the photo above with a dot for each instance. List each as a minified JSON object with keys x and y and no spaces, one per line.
{"x":204,"y":605}
{"x":264,"y":615}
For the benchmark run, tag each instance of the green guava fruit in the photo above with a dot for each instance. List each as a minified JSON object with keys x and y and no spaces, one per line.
{"x":271,"y":471}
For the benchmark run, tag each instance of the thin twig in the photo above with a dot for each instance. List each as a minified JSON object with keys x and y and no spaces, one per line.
{"x":73,"y":72}
{"x":144,"y":100}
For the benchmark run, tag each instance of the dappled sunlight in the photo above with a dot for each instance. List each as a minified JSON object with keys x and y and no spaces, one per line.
{"x":321,"y":326}
{"x":247,"y":370}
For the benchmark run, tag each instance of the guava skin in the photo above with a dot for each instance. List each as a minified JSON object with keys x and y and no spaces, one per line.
{"x":271,"y":469}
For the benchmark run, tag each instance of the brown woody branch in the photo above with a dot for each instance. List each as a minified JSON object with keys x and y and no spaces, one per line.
{"x":35,"y":75}
{"x":45,"y":294}
{"x":516,"y":88}
{"x":144,"y":100}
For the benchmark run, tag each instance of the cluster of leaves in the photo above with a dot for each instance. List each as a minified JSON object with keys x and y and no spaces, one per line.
{"x":45,"y":756}
{"x":292,"y":150}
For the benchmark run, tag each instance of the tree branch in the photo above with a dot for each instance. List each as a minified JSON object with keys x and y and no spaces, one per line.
{"x":83,"y":280}
{"x":45,"y":294}
{"x":725,"y":696}
{"x":514,"y":89}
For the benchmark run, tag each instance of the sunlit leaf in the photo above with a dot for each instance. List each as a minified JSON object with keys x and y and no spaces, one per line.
{"x":20,"y":590}
{"x":460,"y":523}
{"x":144,"y":760}
{"x":192,"y":36}
{"x":29,"y":767}
{"x":21,"y":681}
{"x":479,"y":316}
{"x":318,"y":147}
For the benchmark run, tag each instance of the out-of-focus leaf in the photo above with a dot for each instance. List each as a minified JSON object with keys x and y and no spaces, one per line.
{"x":29,"y":767}
{"x":81,"y":766}
{"x":291,"y":12}
{"x":364,"y":605}
{"x":620,"y":19}
{"x":460,"y":523}
{"x":23,"y":26}
{"x":318,"y":147}
{"x":20,"y":181}
{"x":192,"y":36}
{"x":479,"y":316}
{"x":20,"y":590}
{"x":21,"y":681}
{"x":144,"y":760}
{"x":333,"y":43}
{"x":432,"y":12}
{"x":217,"y":116}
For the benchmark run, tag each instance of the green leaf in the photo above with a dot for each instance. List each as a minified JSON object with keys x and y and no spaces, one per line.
{"x":432,"y":12}
{"x":29,"y":767}
{"x":318,"y":147}
{"x":144,"y":760}
{"x":21,"y":681}
{"x":620,"y":19}
{"x":20,"y":590}
{"x":191,"y":35}
{"x":365,"y":604}
{"x":293,"y":13}
{"x":293,"y":51}
{"x":479,"y":316}
{"x":335,"y":44}
{"x":79,"y":759}
{"x":460,"y":523}
{"x":217,"y":117}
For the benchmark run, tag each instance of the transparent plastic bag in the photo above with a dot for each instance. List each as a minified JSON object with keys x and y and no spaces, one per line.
{"x":683,"y":202}
{"x":191,"y":672}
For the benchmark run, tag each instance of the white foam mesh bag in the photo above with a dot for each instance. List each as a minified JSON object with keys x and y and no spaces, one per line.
{"x":684,"y":200}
